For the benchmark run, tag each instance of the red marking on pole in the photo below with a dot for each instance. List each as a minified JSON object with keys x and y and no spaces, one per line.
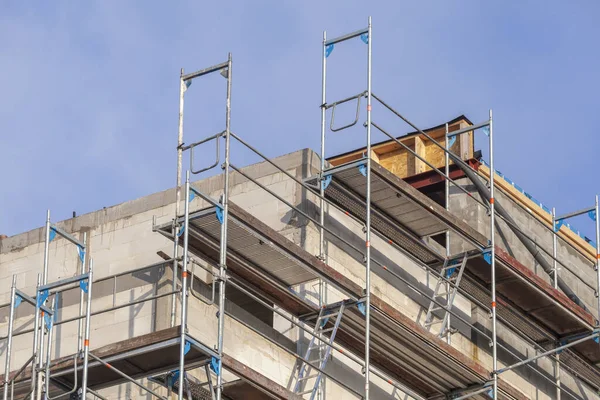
{"x":184,"y":274}
{"x":384,"y":267}
{"x":598,"y":256}
{"x":391,"y":241}
{"x":493,"y":304}
{"x":368,"y":108}
{"x":368,"y":244}
{"x":108,"y":365}
{"x":86,"y":342}
{"x":492,"y":200}
{"x":42,"y":313}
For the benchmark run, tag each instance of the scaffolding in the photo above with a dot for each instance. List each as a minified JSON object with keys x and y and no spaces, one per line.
{"x":44,"y":320}
{"x":242,"y":251}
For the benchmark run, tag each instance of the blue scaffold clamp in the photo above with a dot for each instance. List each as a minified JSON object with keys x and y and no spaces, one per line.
{"x":487,"y":256}
{"x":490,"y":393}
{"x":186,"y":348}
{"x":219,"y":214}
{"x":326,"y":181}
{"x":187,"y":83}
{"x":328,"y":50}
{"x":451,"y":141}
{"x":52,"y":234}
{"x":449,"y":272}
{"x":363,"y":169}
{"x":365,"y":38}
{"x":42,"y":296}
{"x":81,"y":253}
{"x":557,"y":224}
{"x":592,"y":215}
{"x":191,"y":196}
{"x":18,"y":300}
{"x":324,"y":322}
{"x":362,"y":308}
{"x":84,"y":285}
{"x":215,"y":365}
{"x":486,"y":130}
{"x":181,"y":231}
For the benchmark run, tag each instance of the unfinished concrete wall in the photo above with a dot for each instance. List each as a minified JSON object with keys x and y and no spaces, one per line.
{"x":121,"y":239}
{"x":544,"y":374}
{"x":577,"y":271}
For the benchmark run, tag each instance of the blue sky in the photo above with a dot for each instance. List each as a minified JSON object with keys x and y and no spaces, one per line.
{"x":88,"y":112}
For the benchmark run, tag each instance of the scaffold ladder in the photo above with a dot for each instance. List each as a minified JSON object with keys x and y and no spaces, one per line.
{"x":323,"y":349}
{"x":451,"y":272}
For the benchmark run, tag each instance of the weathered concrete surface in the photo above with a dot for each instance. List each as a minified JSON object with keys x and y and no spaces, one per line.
{"x":577,"y":271}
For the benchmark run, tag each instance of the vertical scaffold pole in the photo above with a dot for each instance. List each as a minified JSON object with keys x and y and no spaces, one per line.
{"x":322,"y":284}
{"x":554,"y":250}
{"x":10,"y":333}
{"x":36,"y":328}
{"x":223,"y":244}
{"x":81,"y":297}
{"x":493,"y":265}
{"x":323,"y":118}
{"x":597,"y":217}
{"x":43,"y":326}
{"x":555,"y":284}
{"x":447,"y":196}
{"x":46,"y":246}
{"x":182,"y":329}
{"x":49,"y":350}
{"x":368,"y":222}
{"x":182,"y":88}
{"x":557,"y":376}
{"x":86,"y":340}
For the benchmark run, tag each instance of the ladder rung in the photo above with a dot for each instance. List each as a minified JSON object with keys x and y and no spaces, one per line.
{"x":327,"y":330}
{"x":307,"y":377}
{"x":438,"y":321}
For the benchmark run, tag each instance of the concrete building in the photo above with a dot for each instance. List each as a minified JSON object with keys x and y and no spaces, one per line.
{"x":276,"y":281}
{"x":405,"y":269}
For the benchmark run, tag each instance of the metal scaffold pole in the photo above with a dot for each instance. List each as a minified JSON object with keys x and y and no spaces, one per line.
{"x":368,"y":222}
{"x":184,"y":273}
{"x":322,"y":284}
{"x":36,"y":328}
{"x":182,"y":88}
{"x":554,"y":251}
{"x":223,"y":243}
{"x":225,"y":69}
{"x":10,"y":333}
{"x":327,"y":49}
{"x":86,"y":340}
{"x":46,"y":246}
{"x":323,"y":118}
{"x":596,"y":215}
{"x":555,"y":285}
{"x":447,"y":204}
{"x":493,"y":263}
